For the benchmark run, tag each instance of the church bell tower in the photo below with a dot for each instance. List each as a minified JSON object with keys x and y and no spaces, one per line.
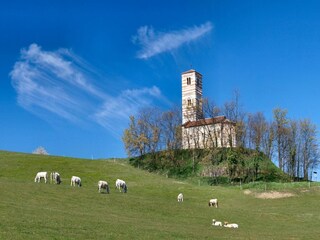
{"x":191,"y":96}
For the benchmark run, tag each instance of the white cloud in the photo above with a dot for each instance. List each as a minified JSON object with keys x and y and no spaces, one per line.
{"x":155,"y":43}
{"x":59,"y":83}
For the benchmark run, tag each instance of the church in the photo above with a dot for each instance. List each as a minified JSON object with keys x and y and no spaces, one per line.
{"x":197,"y":131}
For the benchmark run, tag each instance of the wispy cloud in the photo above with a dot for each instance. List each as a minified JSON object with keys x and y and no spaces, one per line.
{"x":60,"y":83}
{"x":153,"y":43}
{"x":128,"y":101}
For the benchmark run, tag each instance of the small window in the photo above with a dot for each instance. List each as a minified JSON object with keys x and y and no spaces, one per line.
{"x":188,"y":80}
{"x":189,"y":102}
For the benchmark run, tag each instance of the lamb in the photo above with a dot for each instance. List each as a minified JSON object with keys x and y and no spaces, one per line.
{"x":230,"y":225}
{"x":180,"y":197}
{"x":40,"y":175}
{"x":55,"y":177}
{"x":216,"y":223}
{"x":75,"y":181}
{"x":120,"y":184}
{"x":213,"y":202}
{"x":103,"y":185}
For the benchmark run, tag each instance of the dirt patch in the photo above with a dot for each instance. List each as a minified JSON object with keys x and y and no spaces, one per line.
{"x":274,"y":195}
{"x":269,"y":195}
{"x":247,"y":192}
{"x":305,"y":190}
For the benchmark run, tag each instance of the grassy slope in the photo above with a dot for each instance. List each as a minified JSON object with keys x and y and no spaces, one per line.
{"x":148,"y":211}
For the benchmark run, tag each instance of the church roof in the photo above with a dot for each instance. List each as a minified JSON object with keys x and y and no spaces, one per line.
{"x":191,"y":71}
{"x":207,"y":121}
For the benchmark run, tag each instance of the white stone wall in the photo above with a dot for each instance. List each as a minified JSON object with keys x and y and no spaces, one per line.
{"x":207,"y":136}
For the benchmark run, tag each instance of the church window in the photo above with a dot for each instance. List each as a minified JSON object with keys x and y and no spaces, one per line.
{"x":189,"y":102}
{"x":188,"y":80}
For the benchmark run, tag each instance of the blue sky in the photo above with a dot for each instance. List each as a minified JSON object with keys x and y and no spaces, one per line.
{"x":71,"y":72}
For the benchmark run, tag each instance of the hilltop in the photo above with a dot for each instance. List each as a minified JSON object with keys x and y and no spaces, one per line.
{"x":214,"y":166}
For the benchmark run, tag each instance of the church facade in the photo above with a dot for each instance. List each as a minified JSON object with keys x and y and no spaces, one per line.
{"x":197,"y":131}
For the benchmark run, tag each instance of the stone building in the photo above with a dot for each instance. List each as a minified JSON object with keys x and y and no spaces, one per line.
{"x":197,"y":131}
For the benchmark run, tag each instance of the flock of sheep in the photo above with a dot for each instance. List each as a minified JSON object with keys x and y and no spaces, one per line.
{"x":121,"y":185}
{"x":226,"y":224}
{"x":213,"y":203}
{"x":76,"y":181}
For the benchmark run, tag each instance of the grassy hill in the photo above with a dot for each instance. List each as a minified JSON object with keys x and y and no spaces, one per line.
{"x":149,"y":210}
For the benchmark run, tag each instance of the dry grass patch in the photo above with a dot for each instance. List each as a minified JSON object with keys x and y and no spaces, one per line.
{"x":247,"y":192}
{"x":274,"y":195}
{"x":269,"y":195}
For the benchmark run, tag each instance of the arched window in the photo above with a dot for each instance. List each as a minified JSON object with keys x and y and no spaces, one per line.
{"x":189,"y":102}
{"x":188,"y":80}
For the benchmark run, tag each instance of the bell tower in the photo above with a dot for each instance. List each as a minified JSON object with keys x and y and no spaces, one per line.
{"x":191,"y":96}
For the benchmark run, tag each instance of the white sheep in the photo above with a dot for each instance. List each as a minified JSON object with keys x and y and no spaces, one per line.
{"x":103,"y":185}
{"x":230,"y":225}
{"x":75,"y":181}
{"x":213,"y":202}
{"x":216,"y":223}
{"x":180,"y":197}
{"x":40,"y":175}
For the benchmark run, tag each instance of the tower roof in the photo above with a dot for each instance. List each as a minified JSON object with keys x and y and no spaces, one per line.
{"x":191,"y":71}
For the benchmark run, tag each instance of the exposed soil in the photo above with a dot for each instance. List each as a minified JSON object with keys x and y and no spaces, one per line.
{"x":269,"y":195}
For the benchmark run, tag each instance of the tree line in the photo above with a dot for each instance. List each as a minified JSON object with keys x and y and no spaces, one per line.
{"x":292,"y":143}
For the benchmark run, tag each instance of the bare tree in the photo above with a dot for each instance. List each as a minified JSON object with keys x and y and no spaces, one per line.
{"x":233,"y":111}
{"x":133,"y":139}
{"x":171,"y":129}
{"x":151,"y":131}
{"x":258,"y":127}
{"x":267,"y":143}
{"x":292,"y":149}
{"x":309,"y":147}
{"x":149,"y":126}
{"x":281,"y":130}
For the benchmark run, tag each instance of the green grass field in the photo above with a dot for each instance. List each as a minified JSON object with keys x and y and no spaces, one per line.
{"x":149,"y":210}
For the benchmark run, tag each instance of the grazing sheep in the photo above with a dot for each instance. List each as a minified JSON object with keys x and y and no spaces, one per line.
{"x":40,"y":175}
{"x":103,"y":185}
{"x":216,"y":223}
{"x":76,"y":181}
{"x":230,"y":225}
{"x":213,"y":202}
{"x":120,"y":184}
{"x":55,"y":177}
{"x":180,"y":197}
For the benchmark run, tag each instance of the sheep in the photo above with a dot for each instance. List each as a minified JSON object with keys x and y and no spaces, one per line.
{"x":213,"y":202}
{"x":75,"y":181}
{"x":103,"y":185}
{"x":230,"y":225}
{"x":55,"y":177}
{"x":40,"y":175}
{"x":180,"y":197}
{"x":120,"y":184}
{"x":216,"y":223}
